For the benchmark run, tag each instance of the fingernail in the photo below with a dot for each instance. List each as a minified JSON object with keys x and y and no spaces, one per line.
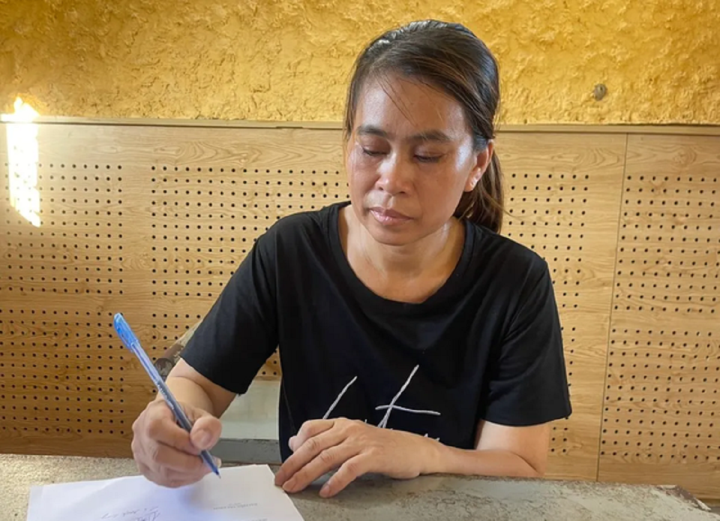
{"x":289,"y":485}
{"x":218,"y":462}
{"x":204,"y":439}
{"x":325,"y":490}
{"x":290,"y":442}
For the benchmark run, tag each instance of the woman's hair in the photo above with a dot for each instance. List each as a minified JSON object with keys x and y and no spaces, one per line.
{"x":449,"y":57}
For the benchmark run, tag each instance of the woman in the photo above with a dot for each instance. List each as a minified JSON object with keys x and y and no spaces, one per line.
{"x":413,"y":338}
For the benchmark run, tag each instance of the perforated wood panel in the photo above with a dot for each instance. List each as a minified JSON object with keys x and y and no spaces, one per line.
{"x":151,"y":221}
{"x":205,"y":221}
{"x":662,"y":405}
{"x":64,"y":381}
{"x":563,"y":195}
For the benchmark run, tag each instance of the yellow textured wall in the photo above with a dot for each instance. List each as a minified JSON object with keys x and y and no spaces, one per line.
{"x":289,"y":60}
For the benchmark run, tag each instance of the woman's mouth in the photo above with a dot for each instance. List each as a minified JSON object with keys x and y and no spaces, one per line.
{"x":388,"y":217}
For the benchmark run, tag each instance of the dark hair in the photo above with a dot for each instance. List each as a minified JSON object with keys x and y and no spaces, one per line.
{"x":448,"y":56}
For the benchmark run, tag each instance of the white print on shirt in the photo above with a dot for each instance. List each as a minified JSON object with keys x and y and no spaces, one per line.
{"x":405,"y":409}
{"x":389,"y":408}
{"x":325,"y":417}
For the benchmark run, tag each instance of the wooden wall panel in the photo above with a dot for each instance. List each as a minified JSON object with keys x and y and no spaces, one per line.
{"x":564,"y":200}
{"x":152,"y":220}
{"x":148,"y":221}
{"x":661,"y":420}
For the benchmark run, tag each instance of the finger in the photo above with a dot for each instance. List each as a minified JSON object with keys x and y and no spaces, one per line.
{"x":172,"y":480}
{"x":163,"y":429}
{"x":307,"y":452}
{"x":164,"y":459}
{"x":206,"y":432}
{"x":166,"y":479}
{"x":327,"y":460}
{"x":348,"y":472}
{"x":144,"y":469}
{"x":161,"y":425}
{"x":310,"y":429}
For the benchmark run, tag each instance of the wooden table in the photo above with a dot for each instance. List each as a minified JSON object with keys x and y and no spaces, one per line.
{"x":444,"y":498}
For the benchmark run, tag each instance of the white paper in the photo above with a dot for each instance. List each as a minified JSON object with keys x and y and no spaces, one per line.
{"x":242,"y":494}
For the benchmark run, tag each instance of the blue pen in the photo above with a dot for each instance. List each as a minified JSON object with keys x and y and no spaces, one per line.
{"x":133,"y":344}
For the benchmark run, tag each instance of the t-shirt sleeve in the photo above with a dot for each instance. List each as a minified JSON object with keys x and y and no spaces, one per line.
{"x":527,"y":383}
{"x":240,"y":331}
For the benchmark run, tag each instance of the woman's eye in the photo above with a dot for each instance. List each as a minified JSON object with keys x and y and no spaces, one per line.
{"x":428,"y":159}
{"x":372,"y":153}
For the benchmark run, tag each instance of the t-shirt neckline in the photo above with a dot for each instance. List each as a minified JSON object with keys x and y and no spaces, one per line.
{"x":448,"y":291}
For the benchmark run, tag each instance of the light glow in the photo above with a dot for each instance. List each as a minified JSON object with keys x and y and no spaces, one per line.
{"x":22,"y":149}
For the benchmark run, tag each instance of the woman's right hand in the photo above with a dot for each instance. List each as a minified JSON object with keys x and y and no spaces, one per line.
{"x":166,"y":453}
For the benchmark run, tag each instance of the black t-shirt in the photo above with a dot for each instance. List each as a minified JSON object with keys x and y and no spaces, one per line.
{"x":487,"y":345}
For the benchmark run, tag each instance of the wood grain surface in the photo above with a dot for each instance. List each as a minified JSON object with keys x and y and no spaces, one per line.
{"x":152,"y":220}
{"x":661,"y":416}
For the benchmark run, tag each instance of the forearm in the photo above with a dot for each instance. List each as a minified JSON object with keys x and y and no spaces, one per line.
{"x":442,"y":459}
{"x":188,"y":392}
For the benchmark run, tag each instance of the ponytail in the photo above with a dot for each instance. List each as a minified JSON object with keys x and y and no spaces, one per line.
{"x":484,"y":205}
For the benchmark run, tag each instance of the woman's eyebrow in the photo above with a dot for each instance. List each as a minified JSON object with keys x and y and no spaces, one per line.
{"x":429,"y":135}
{"x":372,"y":130}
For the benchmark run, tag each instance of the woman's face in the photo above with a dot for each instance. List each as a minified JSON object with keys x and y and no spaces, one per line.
{"x":409,"y":158}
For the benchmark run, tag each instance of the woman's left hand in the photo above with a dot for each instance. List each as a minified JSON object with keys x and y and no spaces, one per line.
{"x":353,"y":447}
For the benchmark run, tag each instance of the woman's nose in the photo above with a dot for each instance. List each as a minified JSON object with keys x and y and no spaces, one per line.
{"x":394,"y":176}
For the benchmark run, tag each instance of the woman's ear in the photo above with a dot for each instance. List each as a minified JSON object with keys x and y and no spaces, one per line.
{"x":482,"y":162}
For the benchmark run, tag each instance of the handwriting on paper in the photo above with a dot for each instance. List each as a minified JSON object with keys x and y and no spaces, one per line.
{"x":139,"y":514}
{"x":246,"y":493}
{"x":233,"y":506}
